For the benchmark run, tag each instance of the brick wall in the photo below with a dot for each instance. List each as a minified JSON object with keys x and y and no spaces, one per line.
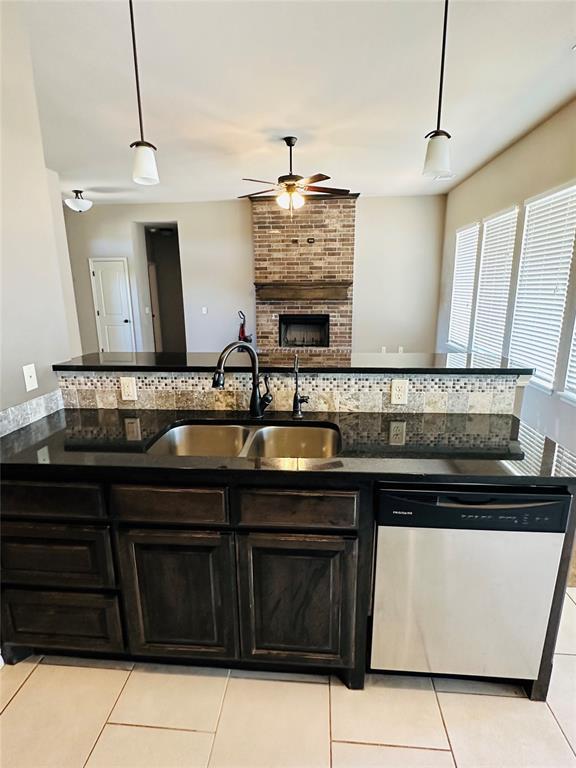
{"x":283,"y":253}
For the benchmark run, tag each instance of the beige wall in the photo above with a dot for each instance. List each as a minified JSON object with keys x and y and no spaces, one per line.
{"x":397,"y":272}
{"x":397,"y":268}
{"x":542,"y":160}
{"x":34,"y":323}
{"x":216,"y":259}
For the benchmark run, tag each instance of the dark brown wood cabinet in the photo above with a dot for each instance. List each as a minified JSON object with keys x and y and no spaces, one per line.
{"x":297,"y":598}
{"x":65,"y":620}
{"x":51,"y":555}
{"x":261,"y":575}
{"x":189,"y":506}
{"x":179,"y":592}
{"x":54,"y":500}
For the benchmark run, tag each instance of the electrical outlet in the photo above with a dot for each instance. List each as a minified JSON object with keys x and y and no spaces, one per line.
{"x":128,"y":389}
{"x":30,"y":380}
{"x":399,"y":392}
{"x":132,"y":429}
{"x":397,"y":433}
{"x":204,"y":310}
{"x":43,"y":455}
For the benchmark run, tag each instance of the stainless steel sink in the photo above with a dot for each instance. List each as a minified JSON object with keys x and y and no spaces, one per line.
{"x":283,"y":441}
{"x":201,"y":440}
{"x":296,"y":442}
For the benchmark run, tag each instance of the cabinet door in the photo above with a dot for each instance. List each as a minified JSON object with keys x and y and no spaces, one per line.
{"x":297,"y":598}
{"x":179,"y":590}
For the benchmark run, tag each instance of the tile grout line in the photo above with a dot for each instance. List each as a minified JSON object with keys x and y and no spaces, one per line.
{"x":443,"y":722}
{"x":573,"y":749}
{"x":155,"y":727}
{"x":22,"y":684}
{"x":395,"y":746}
{"x":330,"y":716}
{"x":218,"y":719}
{"x":107,"y":717}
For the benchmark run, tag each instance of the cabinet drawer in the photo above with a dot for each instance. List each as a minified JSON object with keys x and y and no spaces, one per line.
{"x":52,"y":500}
{"x":62,"y":620}
{"x":142,"y":503}
{"x":56,"y":555}
{"x":303,"y":509}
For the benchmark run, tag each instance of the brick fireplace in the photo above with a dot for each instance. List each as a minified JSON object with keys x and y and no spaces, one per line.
{"x":304,"y":268}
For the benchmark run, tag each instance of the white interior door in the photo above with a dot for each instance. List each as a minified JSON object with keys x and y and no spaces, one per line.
{"x":112,"y":305}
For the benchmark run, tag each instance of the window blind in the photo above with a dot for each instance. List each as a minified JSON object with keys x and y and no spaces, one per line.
{"x":532,"y":444}
{"x":463,"y":285}
{"x":564,"y":463}
{"x":547,"y":248}
{"x":494,"y":282}
{"x":570,"y":383}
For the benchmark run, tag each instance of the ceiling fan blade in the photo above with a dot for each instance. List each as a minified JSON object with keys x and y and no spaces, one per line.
{"x":259,"y":181}
{"x":315,"y":178}
{"x":262,"y":192}
{"x":328,"y":190}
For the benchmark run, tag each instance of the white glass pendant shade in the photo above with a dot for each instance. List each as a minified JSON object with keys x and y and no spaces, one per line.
{"x":144,"y":170}
{"x":77,"y":203}
{"x":290,"y":200}
{"x":437,"y":163}
{"x":297,"y":200}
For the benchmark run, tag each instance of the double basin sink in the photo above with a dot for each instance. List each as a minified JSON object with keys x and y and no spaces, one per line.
{"x":249,"y":441}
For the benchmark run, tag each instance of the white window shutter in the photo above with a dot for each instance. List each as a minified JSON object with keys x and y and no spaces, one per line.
{"x":463,"y":285}
{"x":564,"y":463}
{"x":570,"y":383}
{"x":494,"y":282}
{"x":532,"y":444}
{"x":547,"y":248}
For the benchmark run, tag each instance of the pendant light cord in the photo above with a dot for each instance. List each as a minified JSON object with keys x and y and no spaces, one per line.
{"x":136,"y":70}
{"x":441,"y":89}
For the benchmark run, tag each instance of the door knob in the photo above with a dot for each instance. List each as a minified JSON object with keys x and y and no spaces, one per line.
{"x":126,"y":320}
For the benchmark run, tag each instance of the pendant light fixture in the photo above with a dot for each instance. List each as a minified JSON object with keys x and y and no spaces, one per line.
{"x":437,"y":162}
{"x":144,"y":169}
{"x":77,"y":203}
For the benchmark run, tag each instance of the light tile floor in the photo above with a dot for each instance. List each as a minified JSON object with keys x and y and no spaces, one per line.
{"x":72,"y":713}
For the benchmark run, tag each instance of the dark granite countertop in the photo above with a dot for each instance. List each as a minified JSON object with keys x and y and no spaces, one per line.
{"x":471,"y":447}
{"x":407,"y":362}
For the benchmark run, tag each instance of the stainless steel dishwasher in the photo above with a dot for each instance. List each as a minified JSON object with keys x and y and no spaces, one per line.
{"x":464,"y":579}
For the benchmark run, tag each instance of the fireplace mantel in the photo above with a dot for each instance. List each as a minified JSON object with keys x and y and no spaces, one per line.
{"x":312,"y":290}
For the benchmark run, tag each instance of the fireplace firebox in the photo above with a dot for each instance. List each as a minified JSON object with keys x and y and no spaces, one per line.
{"x":304,"y":330}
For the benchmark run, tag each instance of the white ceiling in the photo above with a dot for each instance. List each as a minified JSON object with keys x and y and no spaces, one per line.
{"x":356,"y":81}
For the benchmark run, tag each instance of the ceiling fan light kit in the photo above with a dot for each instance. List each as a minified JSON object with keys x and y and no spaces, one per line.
{"x":145,"y":170}
{"x":77,"y":203}
{"x":290,"y":188}
{"x":437,"y":162}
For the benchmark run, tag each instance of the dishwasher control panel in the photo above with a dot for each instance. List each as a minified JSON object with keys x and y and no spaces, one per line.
{"x":480,"y":511}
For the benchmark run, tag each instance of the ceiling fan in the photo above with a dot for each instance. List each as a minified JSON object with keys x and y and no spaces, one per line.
{"x":290,"y":187}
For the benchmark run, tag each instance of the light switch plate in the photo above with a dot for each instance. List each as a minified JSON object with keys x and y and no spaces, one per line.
{"x":397,"y":434}
{"x":128,"y":389}
{"x":30,"y":380}
{"x":399,"y":392}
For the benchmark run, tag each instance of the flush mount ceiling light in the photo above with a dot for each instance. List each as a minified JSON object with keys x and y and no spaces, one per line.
{"x":437,"y":162}
{"x":77,"y":203}
{"x":290,"y":187}
{"x":144,"y":170}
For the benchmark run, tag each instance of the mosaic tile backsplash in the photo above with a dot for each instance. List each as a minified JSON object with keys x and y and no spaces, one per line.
{"x":339,"y":392}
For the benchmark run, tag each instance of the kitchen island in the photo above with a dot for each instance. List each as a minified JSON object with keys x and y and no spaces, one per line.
{"x":113,"y":550}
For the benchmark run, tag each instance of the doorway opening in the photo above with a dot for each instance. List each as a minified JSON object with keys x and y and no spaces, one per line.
{"x":165,"y":278}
